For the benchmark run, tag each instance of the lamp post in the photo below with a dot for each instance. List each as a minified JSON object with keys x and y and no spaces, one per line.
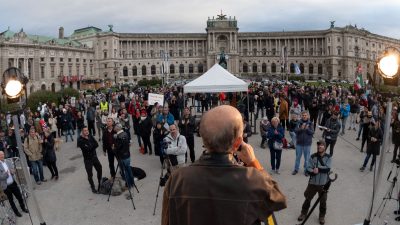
{"x":14,"y":89}
{"x":387,"y":67}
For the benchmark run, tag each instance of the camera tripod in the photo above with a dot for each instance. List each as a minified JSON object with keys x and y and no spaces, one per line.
{"x":389,"y":193}
{"x":325,"y":192}
{"x":126,"y":180}
{"x":168,"y":166}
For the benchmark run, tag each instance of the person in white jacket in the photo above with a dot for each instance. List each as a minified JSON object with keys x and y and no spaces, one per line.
{"x":177,"y":146}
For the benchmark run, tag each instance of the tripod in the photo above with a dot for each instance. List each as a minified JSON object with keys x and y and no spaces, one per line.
{"x":389,"y":192}
{"x":126,"y":180}
{"x":325,"y":192}
{"x":168,"y":166}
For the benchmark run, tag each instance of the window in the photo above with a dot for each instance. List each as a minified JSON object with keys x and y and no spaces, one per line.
{"x":302,"y":68}
{"x":41,"y":71}
{"x":77,"y":60}
{"x":274,"y":51}
{"x":143,"y":70}
{"x":171,"y":53}
{"x":84,"y":70}
{"x":302,"y":51}
{"x":152,"y":54}
{"x":311,"y":51}
{"x":105,"y":43}
{"x":105,"y":54}
{"x":356,"y":52}
{"x":319,"y":68}
{"x":329,"y":50}
{"x":61,"y":60}
{"x":245,"y":68}
{"x":77,"y":70}
{"x":91,"y":70}
{"x":254,"y":68}
{"x":292,"y":69}
{"x":273,"y":68}
{"x":153,"y":70}
{"x":52,"y":59}
{"x":133,"y":54}
{"x":339,"y":51}
{"x":311,"y":68}
{"x":172,"y":69}
{"x":84,"y":60}
{"x":264,"y":68}
{"x":42,"y":59}
{"x":180,"y":53}
{"x":181,"y":69}
{"x":200,"y":68}
{"x":292,"y":51}
{"x":245,"y":51}
{"x":190,"y":68}
{"x":338,"y":39}
{"x":254,"y":51}
{"x":69,"y":70}
{"x":142,"y":53}
{"x":125,"y":71}
{"x":105,"y":65}
{"x":190,"y":52}
{"x":264,"y":51}
{"x":61,"y":70}
{"x":69,"y":60}
{"x":134,"y":71}
{"x":200,"y":52}
{"x":52,"y":72}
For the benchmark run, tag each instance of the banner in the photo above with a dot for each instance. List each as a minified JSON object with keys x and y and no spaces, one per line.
{"x":297,"y":69}
{"x":153,"y":98}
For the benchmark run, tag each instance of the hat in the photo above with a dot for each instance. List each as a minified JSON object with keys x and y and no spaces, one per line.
{"x":118,"y":125}
{"x":321,"y":142}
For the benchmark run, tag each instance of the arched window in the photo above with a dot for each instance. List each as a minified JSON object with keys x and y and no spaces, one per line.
{"x":273,"y":68}
{"x":181,"y":69}
{"x":153,"y":69}
{"x":264,"y":68}
{"x":302,"y":68}
{"x":292,"y":68}
{"x":200,"y":68}
{"x":319,"y":68}
{"x":53,"y":87}
{"x":125,"y":71}
{"x":311,"y":68}
{"x":143,"y":70}
{"x":245,"y":68}
{"x":43,"y":87}
{"x":254,"y":68}
{"x":190,"y":68}
{"x":172,"y":69}
{"x":134,"y":71}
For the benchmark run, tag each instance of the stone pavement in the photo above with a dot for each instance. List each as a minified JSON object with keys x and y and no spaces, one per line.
{"x":70,"y":201}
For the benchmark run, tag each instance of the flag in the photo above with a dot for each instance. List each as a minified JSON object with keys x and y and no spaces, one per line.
{"x":297,"y":69}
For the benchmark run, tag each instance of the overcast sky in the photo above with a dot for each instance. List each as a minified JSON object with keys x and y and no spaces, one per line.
{"x":190,"y":16}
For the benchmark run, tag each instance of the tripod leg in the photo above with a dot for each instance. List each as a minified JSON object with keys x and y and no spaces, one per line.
{"x":112,"y":184}
{"x":129,"y":188}
{"x":158,"y":189}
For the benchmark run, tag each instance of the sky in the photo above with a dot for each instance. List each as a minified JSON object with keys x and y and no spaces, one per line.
{"x":44,"y":17}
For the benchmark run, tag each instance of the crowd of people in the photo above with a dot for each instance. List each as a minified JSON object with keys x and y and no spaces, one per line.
{"x":289,"y":115}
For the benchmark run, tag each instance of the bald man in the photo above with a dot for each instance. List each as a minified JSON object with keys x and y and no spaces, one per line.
{"x":215,"y":189}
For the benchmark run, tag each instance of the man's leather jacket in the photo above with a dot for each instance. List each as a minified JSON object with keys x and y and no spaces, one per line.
{"x":216,"y":191}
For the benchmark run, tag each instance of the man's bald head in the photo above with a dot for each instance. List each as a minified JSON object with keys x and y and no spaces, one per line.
{"x":220,"y":127}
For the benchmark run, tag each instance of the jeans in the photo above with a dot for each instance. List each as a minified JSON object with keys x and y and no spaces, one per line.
{"x":293,"y":137}
{"x":302,"y":150}
{"x":344,"y":120}
{"x":66,"y":133}
{"x":367,"y":159}
{"x":37,"y":170}
{"x":330,"y":143}
{"x":353,"y":119}
{"x":127,"y":171}
{"x":275,"y":158}
{"x":261,"y":108}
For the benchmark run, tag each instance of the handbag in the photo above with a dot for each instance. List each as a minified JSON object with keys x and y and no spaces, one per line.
{"x":277,"y":145}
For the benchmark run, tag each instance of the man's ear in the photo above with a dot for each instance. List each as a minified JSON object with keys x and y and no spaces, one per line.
{"x":238,"y":141}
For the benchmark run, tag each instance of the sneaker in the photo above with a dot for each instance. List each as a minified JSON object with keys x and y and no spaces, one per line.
{"x":294,"y":172}
{"x":44,"y":180}
{"x":322,"y":220}
{"x":25,"y":210}
{"x":301,"y":217}
{"x":94,"y":191}
{"x":362,"y":169}
{"x":277,"y":172}
{"x":306,"y":174}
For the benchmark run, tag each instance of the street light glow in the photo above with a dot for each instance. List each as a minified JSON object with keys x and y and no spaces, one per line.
{"x":389,"y":65}
{"x":13,"y":88}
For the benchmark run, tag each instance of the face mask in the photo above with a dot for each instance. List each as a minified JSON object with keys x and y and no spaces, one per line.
{"x":142,"y":118}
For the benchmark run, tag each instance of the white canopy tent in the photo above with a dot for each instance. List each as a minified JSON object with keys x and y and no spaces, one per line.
{"x":216,"y":79}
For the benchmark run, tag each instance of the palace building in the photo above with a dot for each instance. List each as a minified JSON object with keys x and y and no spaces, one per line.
{"x":91,"y":54}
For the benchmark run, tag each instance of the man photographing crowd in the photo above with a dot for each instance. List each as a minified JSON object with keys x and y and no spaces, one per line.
{"x":215,"y":189}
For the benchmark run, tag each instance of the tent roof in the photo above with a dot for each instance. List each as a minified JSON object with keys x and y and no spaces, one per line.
{"x":216,"y":79}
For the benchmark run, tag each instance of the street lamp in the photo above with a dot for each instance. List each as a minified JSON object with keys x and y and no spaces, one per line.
{"x":387,"y":67}
{"x":14,"y":88}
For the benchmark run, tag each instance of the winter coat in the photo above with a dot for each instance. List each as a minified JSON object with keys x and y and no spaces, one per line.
{"x":49,"y":155}
{"x":374,"y":147}
{"x":304,"y":136}
{"x":177,"y":147}
{"x":272,"y":137}
{"x":344,"y":110}
{"x":145,"y":127}
{"x":33,"y":148}
{"x":334,"y":126}
{"x":283,"y":110}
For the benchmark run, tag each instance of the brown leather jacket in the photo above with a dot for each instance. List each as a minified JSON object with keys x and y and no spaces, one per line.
{"x":216,"y":191}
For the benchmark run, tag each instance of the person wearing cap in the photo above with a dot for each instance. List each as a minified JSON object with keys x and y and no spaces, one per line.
{"x":331,"y":132}
{"x":318,"y":167}
{"x":374,"y":139}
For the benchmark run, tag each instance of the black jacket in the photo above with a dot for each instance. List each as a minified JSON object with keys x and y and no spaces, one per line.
{"x":49,"y":155}
{"x":187,"y":129}
{"x":145,"y":127}
{"x":88,"y":147}
{"x":122,"y":146}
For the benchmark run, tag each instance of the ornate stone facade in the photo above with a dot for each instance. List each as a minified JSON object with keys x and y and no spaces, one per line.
{"x":334,"y":53}
{"x":49,"y":63}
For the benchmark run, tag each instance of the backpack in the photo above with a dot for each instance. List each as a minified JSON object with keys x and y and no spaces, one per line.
{"x":138,"y":173}
{"x":106,"y":184}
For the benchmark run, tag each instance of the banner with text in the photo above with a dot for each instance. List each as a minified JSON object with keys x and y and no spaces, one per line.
{"x":153,"y":98}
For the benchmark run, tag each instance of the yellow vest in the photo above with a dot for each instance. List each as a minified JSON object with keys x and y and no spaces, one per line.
{"x":104,"y":107}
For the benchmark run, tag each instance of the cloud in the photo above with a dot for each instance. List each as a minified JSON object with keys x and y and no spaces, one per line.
{"x":173,"y":16}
